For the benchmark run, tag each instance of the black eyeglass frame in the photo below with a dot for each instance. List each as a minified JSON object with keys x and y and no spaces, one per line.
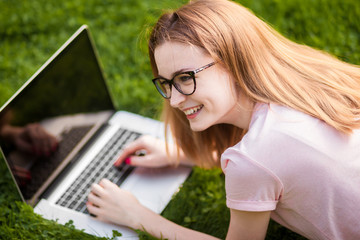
{"x":171,"y":81}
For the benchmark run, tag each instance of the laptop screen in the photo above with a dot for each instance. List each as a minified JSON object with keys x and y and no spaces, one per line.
{"x":47,"y":118}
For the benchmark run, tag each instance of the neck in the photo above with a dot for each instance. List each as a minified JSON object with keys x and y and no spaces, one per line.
{"x":242,"y":114}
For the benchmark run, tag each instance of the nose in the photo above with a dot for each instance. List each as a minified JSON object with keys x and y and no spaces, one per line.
{"x":176,"y":98}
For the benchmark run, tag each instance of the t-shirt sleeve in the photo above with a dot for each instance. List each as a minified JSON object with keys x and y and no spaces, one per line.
{"x":249,"y":185}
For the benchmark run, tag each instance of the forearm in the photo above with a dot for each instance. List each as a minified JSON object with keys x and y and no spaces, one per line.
{"x":160,"y":227}
{"x":8,"y":132}
{"x":177,"y":156}
{"x":110,"y":203}
{"x":185,"y":160}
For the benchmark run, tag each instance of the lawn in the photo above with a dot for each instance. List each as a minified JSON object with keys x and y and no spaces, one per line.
{"x":31,"y":31}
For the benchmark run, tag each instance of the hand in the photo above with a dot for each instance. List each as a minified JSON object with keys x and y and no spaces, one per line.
{"x":155,"y":153}
{"x":22,"y":175}
{"x":111,"y":204}
{"x":33,"y":138}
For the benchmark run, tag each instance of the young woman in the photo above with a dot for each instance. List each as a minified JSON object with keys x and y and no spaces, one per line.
{"x":281,"y":119}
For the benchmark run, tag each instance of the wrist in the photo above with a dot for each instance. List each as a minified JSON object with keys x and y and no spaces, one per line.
{"x":9,"y":132}
{"x":143,"y":219}
{"x":176,"y":156}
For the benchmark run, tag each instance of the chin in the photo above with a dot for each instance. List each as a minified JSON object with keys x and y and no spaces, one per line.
{"x":198,"y":127}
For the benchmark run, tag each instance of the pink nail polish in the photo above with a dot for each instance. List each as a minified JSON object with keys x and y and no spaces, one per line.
{"x":128,"y":161}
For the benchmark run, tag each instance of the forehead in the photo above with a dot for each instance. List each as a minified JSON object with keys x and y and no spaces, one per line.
{"x":172,"y":56}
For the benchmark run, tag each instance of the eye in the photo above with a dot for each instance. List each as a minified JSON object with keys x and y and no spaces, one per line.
{"x":184,"y":78}
{"x":162,"y":81}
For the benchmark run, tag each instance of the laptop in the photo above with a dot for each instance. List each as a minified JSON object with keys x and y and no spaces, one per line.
{"x":68,"y":99}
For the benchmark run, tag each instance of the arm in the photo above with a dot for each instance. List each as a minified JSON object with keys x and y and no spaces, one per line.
{"x":162,"y":228}
{"x":109,"y":203}
{"x":155,"y":156}
{"x":248,"y":225}
{"x":32,"y":138}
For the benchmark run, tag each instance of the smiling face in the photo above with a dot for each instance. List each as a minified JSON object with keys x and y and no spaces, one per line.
{"x":216,"y":98}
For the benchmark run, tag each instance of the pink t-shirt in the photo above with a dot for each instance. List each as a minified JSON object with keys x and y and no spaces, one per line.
{"x":301,"y":169}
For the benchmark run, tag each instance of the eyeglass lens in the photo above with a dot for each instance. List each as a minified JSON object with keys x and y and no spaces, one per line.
{"x":183,"y":82}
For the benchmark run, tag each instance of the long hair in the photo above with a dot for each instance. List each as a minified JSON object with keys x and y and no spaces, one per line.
{"x":268,"y":68}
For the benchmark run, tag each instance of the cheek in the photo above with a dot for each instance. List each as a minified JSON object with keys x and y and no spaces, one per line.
{"x":228,"y":98}
{"x":227,"y":101}
{"x":227,"y":90}
{"x":222,"y":99}
{"x":219,"y":88}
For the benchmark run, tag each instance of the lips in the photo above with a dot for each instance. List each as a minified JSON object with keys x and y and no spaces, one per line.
{"x":193,"y":110}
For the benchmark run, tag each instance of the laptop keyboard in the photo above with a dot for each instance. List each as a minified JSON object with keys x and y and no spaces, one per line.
{"x":101,"y":166}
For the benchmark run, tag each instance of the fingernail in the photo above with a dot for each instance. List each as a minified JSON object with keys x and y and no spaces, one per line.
{"x":128,"y":161}
{"x":116,"y":164}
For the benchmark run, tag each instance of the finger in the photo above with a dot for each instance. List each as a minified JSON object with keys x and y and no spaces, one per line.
{"x":24,"y":145}
{"x":43,"y":146}
{"x":21,"y":172}
{"x":143,"y":161}
{"x":47,"y":144}
{"x":105,"y":183}
{"x":93,"y":209}
{"x":129,"y":150}
{"x":54,"y":144}
{"x":36,"y":138}
{"x":43,"y":141}
{"x":94,"y":199}
{"x":97,"y":189}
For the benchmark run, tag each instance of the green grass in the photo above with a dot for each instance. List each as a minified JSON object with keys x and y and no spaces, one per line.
{"x":31,"y":31}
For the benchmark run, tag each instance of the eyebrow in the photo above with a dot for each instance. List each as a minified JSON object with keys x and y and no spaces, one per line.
{"x":176,"y":73}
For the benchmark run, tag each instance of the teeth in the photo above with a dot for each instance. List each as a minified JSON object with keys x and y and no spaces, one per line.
{"x":193,"y":110}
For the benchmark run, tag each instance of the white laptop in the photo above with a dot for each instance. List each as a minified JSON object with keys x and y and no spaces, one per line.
{"x":69,"y":99}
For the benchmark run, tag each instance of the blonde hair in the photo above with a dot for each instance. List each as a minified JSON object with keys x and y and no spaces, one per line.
{"x":268,"y":68}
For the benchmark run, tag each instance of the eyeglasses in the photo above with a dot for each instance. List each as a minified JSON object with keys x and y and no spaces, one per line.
{"x":183,"y":82}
